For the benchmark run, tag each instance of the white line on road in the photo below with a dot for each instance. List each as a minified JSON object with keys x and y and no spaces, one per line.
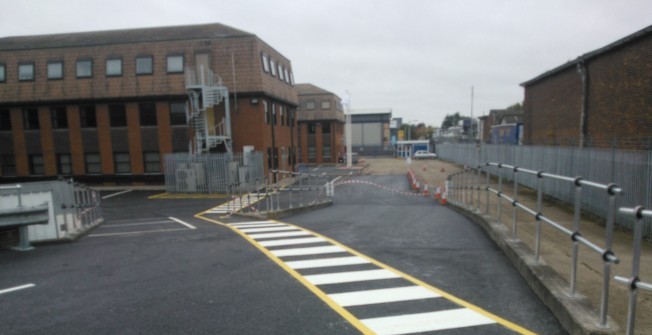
{"x":273,"y":235}
{"x":261,"y":230}
{"x":183,"y":223}
{"x":292,"y":241}
{"x":326,"y":262}
{"x":16,"y":288}
{"x":423,"y":322}
{"x":251,"y":223}
{"x":115,"y":194}
{"x":137,"y":232}
{"x":352,"y":276}
{"x":382,"y":296}
{"x":308,"y":251}
{"x":132,"y":224}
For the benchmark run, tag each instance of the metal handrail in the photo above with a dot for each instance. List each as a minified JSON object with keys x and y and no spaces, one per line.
{"x":634,"y":282}
{"x":608,"y":257}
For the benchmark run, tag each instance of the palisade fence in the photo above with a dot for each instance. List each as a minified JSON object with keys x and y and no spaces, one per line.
{"x":214,"y":173}
{"x":630,"y":170}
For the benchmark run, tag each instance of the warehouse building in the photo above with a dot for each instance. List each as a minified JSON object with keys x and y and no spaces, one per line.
{"x":107,"y":106}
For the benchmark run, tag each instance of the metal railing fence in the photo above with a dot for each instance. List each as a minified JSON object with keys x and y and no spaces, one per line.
{"x":632,"y":170}
{"x":466,"y":188}
{"x":297,"y":189}
{"x":214,"y":173}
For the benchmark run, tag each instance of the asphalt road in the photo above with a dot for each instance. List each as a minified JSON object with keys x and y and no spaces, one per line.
{"x":153,"y":267}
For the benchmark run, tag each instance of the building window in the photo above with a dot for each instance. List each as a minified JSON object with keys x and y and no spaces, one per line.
{"x":5,"y":119}
{"x":26,"y":72}
{"x":3,"y":73}
{"x":326,"y":152}
{"x":93,"y":163}
{"x":178,"y":113}
{"x":272,"y":65}
{"x":7,"y":166}
{"x":265,"y":61}
{"x":84,"y":68}
{"x":291,"y":79}
{"x":114,"y":67}
{"x":152,"y":162}
{"x":325,"y":104}
{"x":30,"y":118}
{"x":55,"y":70}
{"x":273,"y":114}
{"x":122,"y":163}
{"x":312,"y":128}
{"x":117,"y":116}
{"x":280,"y":110}
{"x":144,"y":65}
{"x":87,"y":117}
{"x":147,"y":112}
{"x":266,"y":109}
{"x":325,"y":128}
{"x":64,"y":164}
{"x":280,"y":73}
{"x":310,"y":105}
{"x":36,"y":165}
{"x":59,"y":117}
{"x":175,"y":64}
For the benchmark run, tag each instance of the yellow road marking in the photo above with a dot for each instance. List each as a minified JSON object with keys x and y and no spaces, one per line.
{"x":339,"y":309}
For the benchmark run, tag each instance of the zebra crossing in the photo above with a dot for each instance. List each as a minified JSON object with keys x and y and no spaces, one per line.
{"x":363,"y":290}
{"x":237,"y":204}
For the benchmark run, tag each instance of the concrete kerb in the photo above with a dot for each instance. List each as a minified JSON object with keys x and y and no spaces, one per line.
{"x":577,"y":315}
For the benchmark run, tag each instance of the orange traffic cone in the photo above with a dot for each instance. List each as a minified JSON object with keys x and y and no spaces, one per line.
{"x":443,"y":198}
{"x":438,"y":193}
{"x":425,"y":190}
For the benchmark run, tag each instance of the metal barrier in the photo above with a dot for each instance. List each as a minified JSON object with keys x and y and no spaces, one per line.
{"x":634,"y":282}
{"x":296,"y":189}
{"x":467,"y":185}
{"x":22,"y":216}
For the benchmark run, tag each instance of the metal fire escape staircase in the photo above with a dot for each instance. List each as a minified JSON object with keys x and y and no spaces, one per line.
{"x":205,"y":90}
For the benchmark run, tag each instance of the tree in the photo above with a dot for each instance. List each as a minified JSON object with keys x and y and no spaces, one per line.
{"x":453,"y":120}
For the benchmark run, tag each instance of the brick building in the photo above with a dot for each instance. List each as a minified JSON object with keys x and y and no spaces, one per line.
{"x":320,"y":125}
{"x":602,"y":98}
{"x":498,"y":117}
{"x":370,"y":132}
{"x":106,"y":106}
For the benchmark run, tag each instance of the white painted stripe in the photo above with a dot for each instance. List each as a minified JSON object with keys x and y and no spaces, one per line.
{"x":273,"y":235}
{"x":137,"y":232}
{"x":308,"y":251}
{"x":423,"y":322}
{"x":16,"y":288}
{"x":183,"y":223}
{"x":292,"y":241}
{"x":326,"y":262}
{"x":115,"y":194}
{"x":382,"y":296}
{"x":349,"y":277}
{"x":261,"y":225}
{"x":251,"y":223}
{"x":132,"y":224}
{"x":261,"y":230}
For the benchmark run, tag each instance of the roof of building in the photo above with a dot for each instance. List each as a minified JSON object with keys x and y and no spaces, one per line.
{"x":595,"y":53}
{"x":503,"y":116}
{"x":157,"y":34}
{"x":310,"y":89}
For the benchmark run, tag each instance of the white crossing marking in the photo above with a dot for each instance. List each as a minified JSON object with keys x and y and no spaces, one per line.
{"x":308,"y":251}
{"x":262,"y":230}
{"x":261,"y":225}
{"x":182,"y":223}
{"x":257,"y":224}
{"x":292,"y":241}
{"x":237,"y":224}
{"x":326,"y":262}
{"x":382,"y":296}
{"x":110,"y":225}
{"x":423,"y":322}
{"x":348,"y":277}
{"x":273,"y":235}
{"x":115,"y":194}
{"x":16,"y":288}
{"x":138,"y":232}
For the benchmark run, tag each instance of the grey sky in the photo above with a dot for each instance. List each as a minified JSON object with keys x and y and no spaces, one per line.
{"x":419,"y":58}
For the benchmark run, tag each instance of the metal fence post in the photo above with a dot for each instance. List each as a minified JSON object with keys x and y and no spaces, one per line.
{"x":612,"y":190}
{"x":514,"y":210}
{"x":500,"y":192}
{"x":487,"y":191}
{"x":537,"y":241}
{"x":576,"y":232}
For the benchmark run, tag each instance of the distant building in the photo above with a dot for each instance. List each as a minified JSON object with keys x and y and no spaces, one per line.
{"x":320,"y":124}
{"x":371,"y":132}
{"x":601,"y":98}
{"x":107,"y":106}
{"x":501,"y":126}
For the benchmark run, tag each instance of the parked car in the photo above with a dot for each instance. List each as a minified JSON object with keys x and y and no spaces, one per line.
{"x":423,"y":154}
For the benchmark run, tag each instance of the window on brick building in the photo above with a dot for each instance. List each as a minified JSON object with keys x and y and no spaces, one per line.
{"x":87,"y":117}
{"x":122,"y":162}
{"x":272,"y":66}
{"x":30,"y":118}
{"x":3,"y":73}
{"x":291,"y":79}
{"x":84,"y":68}
{"x":59,"y":117}
{"x":265,"y":60}
{"x":152,"y":162}
{"x":325,"y":104}
{"x":64,"y":164}
{"x":147,"y":113}
{"x":312,"y":128}
{"x":178,"y":113}
{"x":282,"y":115}
{"x":114,"y":67}
{"x":280,"y":73}
{"x":26,"y":72}
{"x":310,"y":105}
{"x":287,"y":76}
{"x":8,"y":166}
{"x":326,"y":128}
{"x":274,"y":114}
{"x":117,"y":115}
{"x":55,"y":70}
{"x":5,"y":119}
{"x":144,"y":65}
{"x":175,"y":64}
{"x":93,"y":163}
{"x":266,"y":111}
{"x":36,"y":165}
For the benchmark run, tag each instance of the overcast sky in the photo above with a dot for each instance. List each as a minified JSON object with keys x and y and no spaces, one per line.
{"x":419,"y":58}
